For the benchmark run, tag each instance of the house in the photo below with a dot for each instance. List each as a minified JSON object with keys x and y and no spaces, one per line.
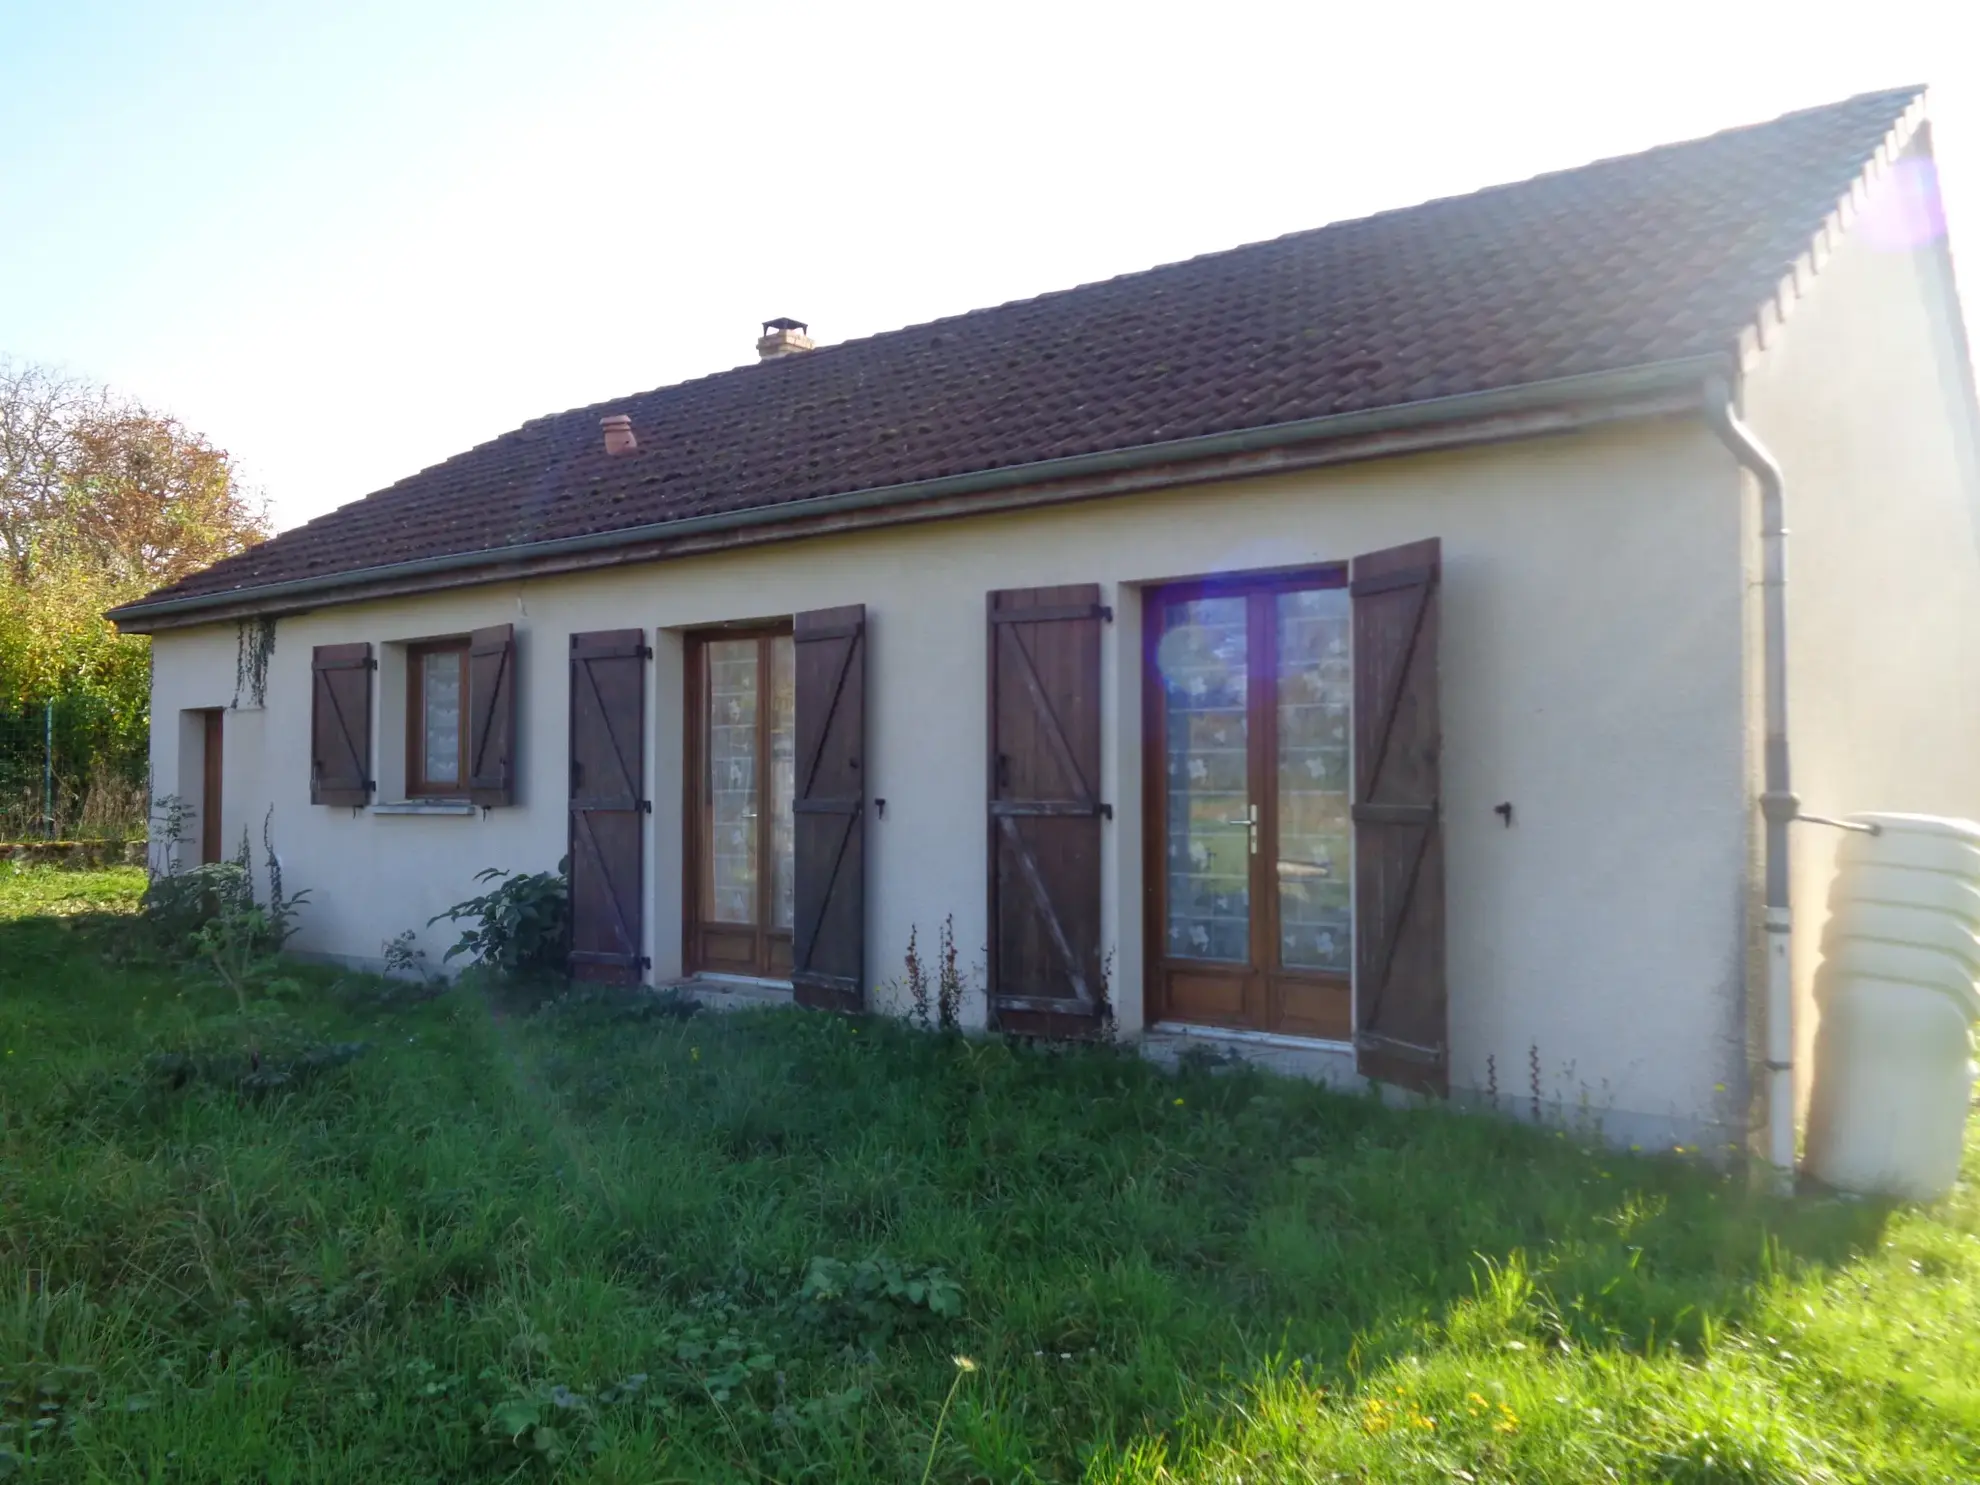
{"x":1370,"y":645}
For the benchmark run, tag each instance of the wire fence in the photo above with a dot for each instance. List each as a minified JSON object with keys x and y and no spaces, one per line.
{"x":68,"y":773}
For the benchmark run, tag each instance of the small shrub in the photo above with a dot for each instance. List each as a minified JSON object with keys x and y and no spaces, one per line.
{"x":242,"y":945}
{"x":178,"y":906}
{"x":522,"y":924}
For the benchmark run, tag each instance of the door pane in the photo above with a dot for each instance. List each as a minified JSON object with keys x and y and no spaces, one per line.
{"x":783,"y":775}
{"x":1204,"y":665}
{"x":732,"y":784}
{"x":440,"y":692}
{"x":1315,"y":681}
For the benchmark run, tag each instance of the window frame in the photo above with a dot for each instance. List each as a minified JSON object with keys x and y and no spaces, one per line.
{"x":418,"y":785}
{"x":709,"y":945}
{"x":1269,"y":990}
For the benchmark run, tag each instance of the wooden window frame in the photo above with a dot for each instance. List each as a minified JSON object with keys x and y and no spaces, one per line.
{"x":1265,"y":983}
{"x":708,"y":945}
{"x":418,"y":786}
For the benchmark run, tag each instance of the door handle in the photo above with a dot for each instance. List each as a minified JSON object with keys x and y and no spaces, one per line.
{"x":1249,"y":819}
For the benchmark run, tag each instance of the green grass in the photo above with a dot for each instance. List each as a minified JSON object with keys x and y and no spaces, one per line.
{"x":585,"y":1244}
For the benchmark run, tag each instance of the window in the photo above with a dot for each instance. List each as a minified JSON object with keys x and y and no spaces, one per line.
{"x":436,"y":720}
{"x":1250,"y":687}
{"x":741,"y":775}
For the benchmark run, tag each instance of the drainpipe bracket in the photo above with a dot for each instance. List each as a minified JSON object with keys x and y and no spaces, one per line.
{"x":1779,"y":807}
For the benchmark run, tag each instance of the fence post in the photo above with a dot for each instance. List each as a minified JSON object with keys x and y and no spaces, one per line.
{"x":48,"y":767}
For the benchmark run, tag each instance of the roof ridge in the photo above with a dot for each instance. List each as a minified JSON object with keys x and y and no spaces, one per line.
{"x":1046,"y":296}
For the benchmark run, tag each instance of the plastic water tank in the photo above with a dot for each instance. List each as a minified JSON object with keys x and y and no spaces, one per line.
{"x":1894,"y":1066}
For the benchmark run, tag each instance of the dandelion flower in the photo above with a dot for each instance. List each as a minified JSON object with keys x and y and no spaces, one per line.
{"x":963,"y":1363}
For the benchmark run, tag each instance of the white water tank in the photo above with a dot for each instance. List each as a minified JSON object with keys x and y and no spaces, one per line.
{"x":1893,"y":1053}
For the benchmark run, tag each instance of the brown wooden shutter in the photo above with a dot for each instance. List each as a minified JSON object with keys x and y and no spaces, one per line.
{"x":1399,"y":991}
{"x":828,"y":949}
{"x":1045,"y":809}
{"x":491,"y":692}
{"x":340,"y":724}
{"x":608,"y":804}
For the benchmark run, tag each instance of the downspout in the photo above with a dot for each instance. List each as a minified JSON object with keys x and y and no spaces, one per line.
{"x":1778,"y":806}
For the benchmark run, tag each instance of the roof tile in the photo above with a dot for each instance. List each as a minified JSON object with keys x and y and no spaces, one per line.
{"x":1645,"y":258}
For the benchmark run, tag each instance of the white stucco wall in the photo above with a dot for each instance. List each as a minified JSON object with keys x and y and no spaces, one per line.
{"x":1591,"y":676}
{"x":1859,"y":398}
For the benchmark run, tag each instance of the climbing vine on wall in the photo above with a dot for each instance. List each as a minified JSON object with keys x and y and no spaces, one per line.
{"x":254,"y":646}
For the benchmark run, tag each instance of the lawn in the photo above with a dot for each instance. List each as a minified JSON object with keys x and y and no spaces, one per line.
{"x":603,"y":1242}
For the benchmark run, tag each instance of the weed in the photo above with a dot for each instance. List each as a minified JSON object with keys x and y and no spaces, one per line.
{"x":405,"y":959}
{"x":596,"y":1244}
{"x":916,"y":981}
{"x":949,"y":979}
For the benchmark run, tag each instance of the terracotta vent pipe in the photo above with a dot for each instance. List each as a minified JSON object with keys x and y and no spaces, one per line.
{"x":618,"y":434}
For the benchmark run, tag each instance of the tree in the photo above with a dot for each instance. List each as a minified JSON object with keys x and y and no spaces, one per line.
{"x":40,"y":410}
{"x":100,"y":501}
{"x":146,"y":501}
{"x":135,"y":496}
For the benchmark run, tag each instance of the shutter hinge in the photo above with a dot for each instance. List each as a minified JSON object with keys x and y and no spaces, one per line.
{"x":371,"y":662}
{"x":646,"y":652}
{"x":1106,"y":612}
{"x":646,"y":806}
{"x":1106,"y":811}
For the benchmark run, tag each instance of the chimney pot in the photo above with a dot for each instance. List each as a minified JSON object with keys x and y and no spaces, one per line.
{"x":618,"y":433}
{"x":783,"y":337}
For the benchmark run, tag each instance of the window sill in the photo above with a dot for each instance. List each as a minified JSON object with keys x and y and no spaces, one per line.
{"x":425,"y":807}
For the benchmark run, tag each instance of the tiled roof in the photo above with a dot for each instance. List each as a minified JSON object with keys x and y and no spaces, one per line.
{"x":1625,"y":262}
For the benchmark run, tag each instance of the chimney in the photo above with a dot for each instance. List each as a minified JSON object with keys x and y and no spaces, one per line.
{"x":618,"y":434}
{"x":782,"y":338}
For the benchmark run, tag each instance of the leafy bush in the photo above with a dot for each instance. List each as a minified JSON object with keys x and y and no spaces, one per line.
{"x":522,"y":924}
{"x":177,"y":906}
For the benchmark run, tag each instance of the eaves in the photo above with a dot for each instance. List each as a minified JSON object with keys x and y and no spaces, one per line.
{"x":1534,"y":409}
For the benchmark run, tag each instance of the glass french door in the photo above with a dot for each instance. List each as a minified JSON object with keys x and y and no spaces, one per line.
{"x":741,"y":780}
{"x":1250,"y":828}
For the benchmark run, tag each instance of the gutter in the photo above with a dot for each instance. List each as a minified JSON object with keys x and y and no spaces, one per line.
{"x":1562,"y":404}
{"x":1778,"y":805}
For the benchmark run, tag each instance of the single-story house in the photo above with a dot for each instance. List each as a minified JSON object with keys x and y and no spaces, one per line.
{"x":1372,"y":645}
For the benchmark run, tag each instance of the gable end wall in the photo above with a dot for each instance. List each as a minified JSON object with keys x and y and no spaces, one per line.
{"x":1862,"y":397}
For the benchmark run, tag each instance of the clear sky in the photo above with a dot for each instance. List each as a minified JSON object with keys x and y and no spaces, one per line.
{"x":347,"y":240}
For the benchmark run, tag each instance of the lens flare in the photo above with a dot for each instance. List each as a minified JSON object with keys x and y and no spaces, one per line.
{"x":1904,"y":210}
